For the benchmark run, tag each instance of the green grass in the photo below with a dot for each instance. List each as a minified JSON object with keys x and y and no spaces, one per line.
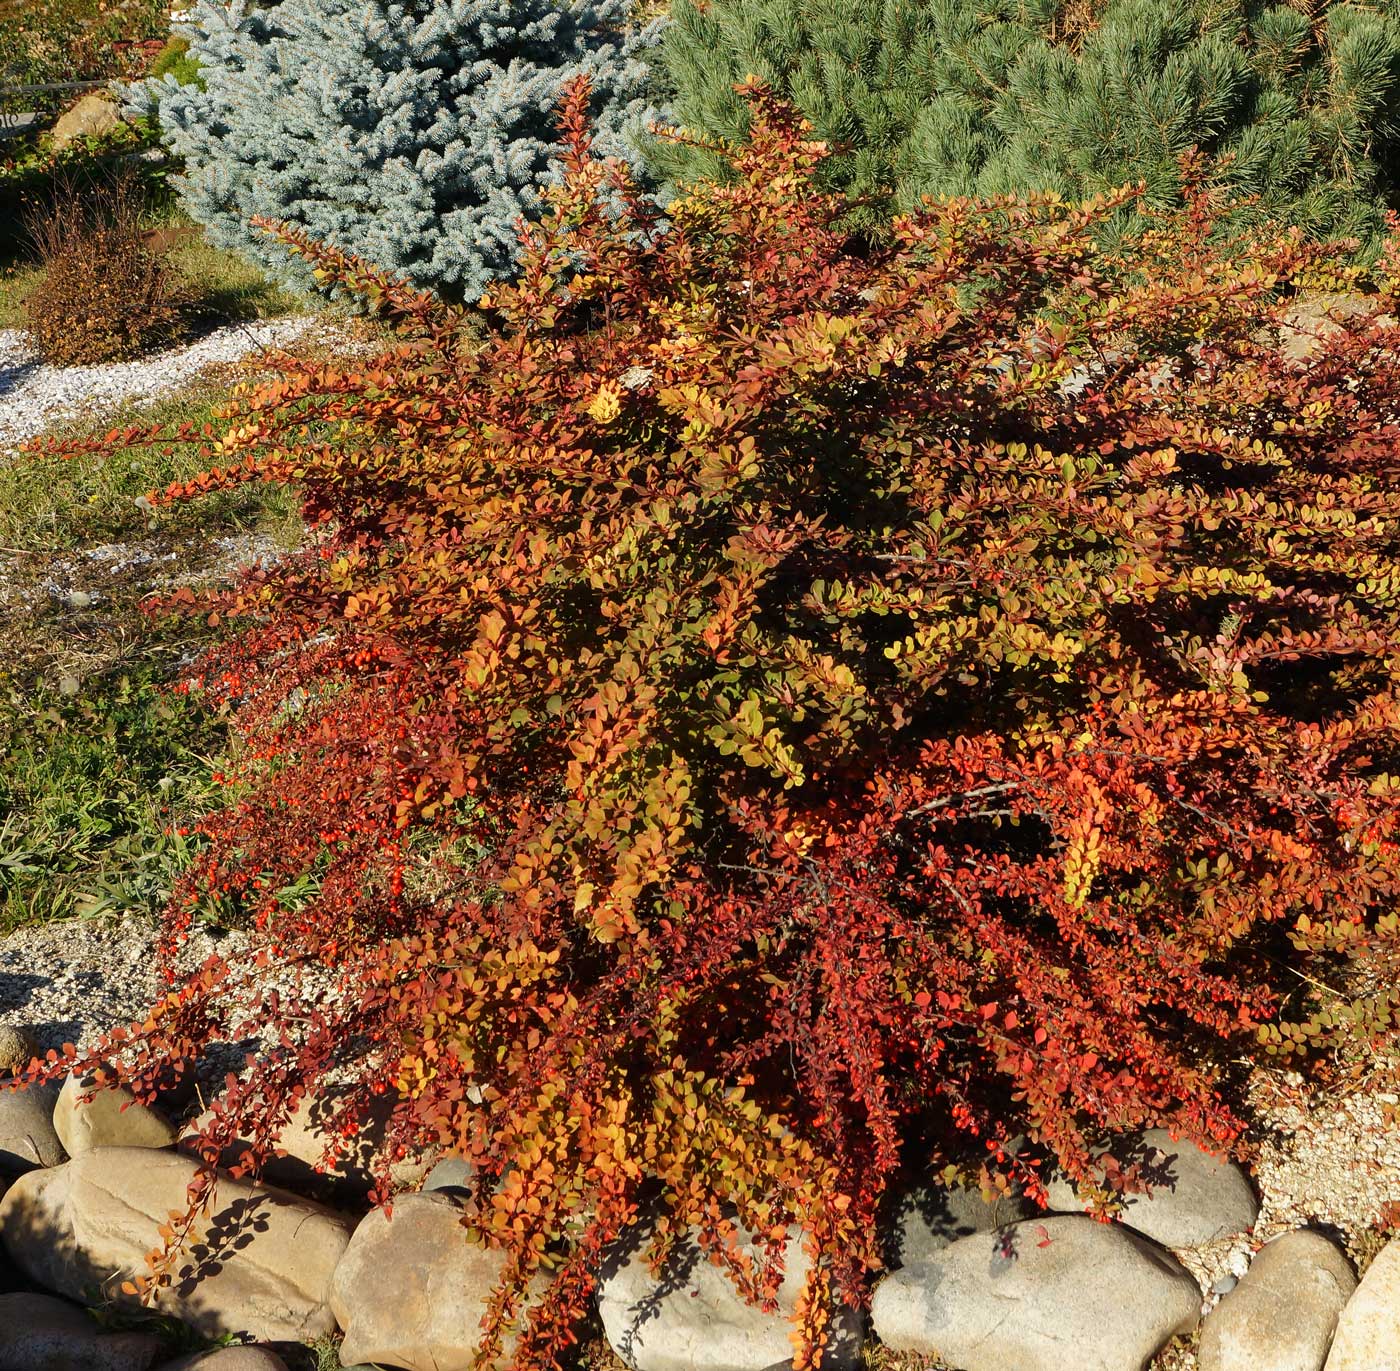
{"x":90,"y":784}
{"x":99,"y":759}
{"x":57,"y":504}
{"x":17,"y":279}
{"x":227,"y":288}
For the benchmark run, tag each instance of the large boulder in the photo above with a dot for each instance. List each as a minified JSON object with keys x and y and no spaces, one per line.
{"x":410,"y":1290}
{"x":27,"y":1137}
{"x":691,"y":1318}
{"x":40,"y":1333}
{"x":1368,"y":1329}
{"x":1040,"y":1296}
{"x":260,"y":1264}
{"x":95,"y":114}
{"x":1193,"y":1197}
{"x":85,"y":1117}
{"x":926,"y":1219}
{"x":10,"y":1279}
{"x":1280,"y":1317}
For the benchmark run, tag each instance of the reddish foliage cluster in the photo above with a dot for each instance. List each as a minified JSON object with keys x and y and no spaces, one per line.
{"x":774,"y":708}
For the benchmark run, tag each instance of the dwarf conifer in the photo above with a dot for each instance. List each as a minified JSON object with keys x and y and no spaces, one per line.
{"x":1293,"y":104}
{"x":414,"y":133}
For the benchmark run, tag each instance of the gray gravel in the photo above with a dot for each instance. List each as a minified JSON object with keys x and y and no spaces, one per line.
{"x":33,"y":395}
{"x":73,"y":980}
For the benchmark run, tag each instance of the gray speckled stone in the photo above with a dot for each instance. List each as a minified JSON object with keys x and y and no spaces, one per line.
{"x":451,"y":1173}
{"x":692,"y":1319}
{"x":229,"y":1359}
{"x":40,"y":1333}
{"x":27,"y":1137}
{"x":1047,"y":1295}
{"x":925,"y":1220}
{"x":1195,"y":1198}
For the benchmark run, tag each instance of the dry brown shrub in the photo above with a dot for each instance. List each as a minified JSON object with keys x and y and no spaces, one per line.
{"x":108,"y":291}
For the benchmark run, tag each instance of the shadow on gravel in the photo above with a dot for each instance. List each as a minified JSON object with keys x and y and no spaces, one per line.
{"x":16,"y":992}
{"x":16,"y":987}
{"x":11,"y":378}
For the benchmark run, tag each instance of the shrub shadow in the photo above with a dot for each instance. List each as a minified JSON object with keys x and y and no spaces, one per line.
{"x":676,"y":1272}
{"x":12,"y":377}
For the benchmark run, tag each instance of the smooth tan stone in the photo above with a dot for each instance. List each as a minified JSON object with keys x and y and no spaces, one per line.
{"x":96,"y":113}
{"x":1368,"y":1329}
{"x":111,"y":1118}
{"x":411,"y":1289}
{"x":303,"y":1142}
{"x":229,"y":1359}
{"x":1281,"y":1315}
{"x":260,"y":1266}
{"x":1312,"y":317}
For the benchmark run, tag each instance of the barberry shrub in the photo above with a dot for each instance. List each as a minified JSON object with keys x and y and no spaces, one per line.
{"x":1295,"y":105}
{"x":414,"y":134}
{"x":774,"y":710}
{"x":107,"y":292}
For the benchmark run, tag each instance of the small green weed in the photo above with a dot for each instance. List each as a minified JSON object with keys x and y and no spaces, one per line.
{"x":179,"y":1337}
{"x":175,"y":60}
{"x":322,"y":1355}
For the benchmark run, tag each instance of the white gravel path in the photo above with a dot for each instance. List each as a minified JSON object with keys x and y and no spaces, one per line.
{"x":34,"y":395}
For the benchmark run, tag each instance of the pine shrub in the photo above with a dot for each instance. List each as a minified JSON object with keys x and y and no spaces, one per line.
{"x":174,"y":60}
{"x":414,"y":133}
{"x":106,"y":293}
{"x":1294,"y":104}
{"x":774,"y":708}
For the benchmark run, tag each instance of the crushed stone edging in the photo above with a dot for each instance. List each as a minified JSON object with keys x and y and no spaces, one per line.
{"x":34,"y":395}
